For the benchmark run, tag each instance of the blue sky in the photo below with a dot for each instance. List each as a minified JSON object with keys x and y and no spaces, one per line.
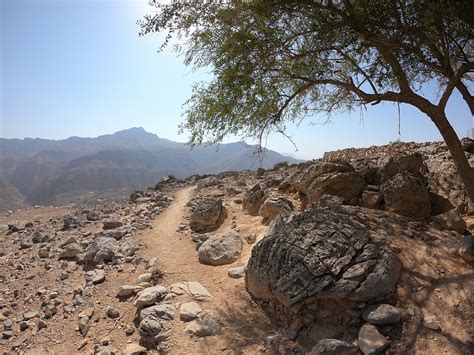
{"x":79,"y":68}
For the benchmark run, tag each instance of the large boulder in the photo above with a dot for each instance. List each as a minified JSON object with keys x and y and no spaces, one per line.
{"x":332,"y":178}
{"x":206,"y":213}
{"x":253,"y":200}
{"x":221,"y":248}
{"x":443,"y":180}
{"x":320,"y":254}
{"x":275,"y":206}
{"x":406,"y":195}
{"x":404,"y":162}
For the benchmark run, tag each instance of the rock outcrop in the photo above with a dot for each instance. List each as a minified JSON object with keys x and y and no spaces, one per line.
{"x":406,"y":195}
{"x":332,"y":178}
{"x":320,"y":254}
{"x":437,"y":168}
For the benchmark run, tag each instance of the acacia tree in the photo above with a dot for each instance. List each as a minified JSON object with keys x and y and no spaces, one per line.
{"x":276,"y":61}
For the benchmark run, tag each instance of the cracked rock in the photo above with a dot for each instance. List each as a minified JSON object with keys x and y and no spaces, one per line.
{"x":206,"y":213}
{"x":320,"y":254}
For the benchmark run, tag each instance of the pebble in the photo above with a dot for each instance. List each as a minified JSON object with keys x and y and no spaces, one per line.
{"x":382,"y":314}
{"x":112,"y":312}
{"x":250,"y":238}
{"x":431,"y":322}
{"x":236,"y":272}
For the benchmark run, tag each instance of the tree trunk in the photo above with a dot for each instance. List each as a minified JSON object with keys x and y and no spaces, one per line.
{"x":457,"y":153}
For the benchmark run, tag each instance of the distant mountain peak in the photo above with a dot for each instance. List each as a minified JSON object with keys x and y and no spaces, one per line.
{"x":134,"y":131}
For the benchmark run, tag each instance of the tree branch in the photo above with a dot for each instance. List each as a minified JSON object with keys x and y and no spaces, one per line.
{"x":466,"y":95}
{"x":453,"y":82}
{"x":353,"y":62}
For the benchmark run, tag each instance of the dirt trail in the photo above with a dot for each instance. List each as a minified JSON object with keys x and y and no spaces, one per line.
{"x":164,"y":242}
{"x":244,"y":325}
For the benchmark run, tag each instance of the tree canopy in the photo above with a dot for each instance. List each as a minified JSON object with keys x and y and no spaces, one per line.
{"x":276,"y":61}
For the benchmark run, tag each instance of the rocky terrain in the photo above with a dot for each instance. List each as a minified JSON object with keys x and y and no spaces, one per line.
{"x":365,"y":251}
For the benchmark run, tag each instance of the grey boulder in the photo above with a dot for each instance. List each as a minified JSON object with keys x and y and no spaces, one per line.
{"x":221,"y":248}
{"x":253,"y":200}
{"x":101,"y":250}
{"x":189,"y":311}
{"x":274,"y":206}
{"x":205,"y":213}
{"x":406,"y":195}
{"x":203,"y":326}
{"x":320,"y":254}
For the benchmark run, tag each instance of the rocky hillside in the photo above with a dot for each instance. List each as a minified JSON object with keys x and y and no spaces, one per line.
{"x":431,"y":161}
{"x":355,"y":253}
{"x":48,"y":172}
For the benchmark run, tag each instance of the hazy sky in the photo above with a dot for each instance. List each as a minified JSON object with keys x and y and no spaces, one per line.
{"x":79,"y":68}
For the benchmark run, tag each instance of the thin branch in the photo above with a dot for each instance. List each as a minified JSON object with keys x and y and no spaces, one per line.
{"x":353,"y":62}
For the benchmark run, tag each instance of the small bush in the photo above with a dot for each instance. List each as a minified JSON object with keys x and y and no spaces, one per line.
{"x":280,"y":165}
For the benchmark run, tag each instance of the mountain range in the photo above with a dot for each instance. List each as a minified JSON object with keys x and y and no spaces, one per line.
{"x":42,"y":171}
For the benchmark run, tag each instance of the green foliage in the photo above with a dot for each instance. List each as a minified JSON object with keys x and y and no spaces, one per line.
{"x":278,"y":61}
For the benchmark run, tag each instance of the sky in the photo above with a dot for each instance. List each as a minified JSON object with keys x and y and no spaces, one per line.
{"x":79,"y":68}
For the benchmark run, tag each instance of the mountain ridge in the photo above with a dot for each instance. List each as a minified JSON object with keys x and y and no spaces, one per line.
{"x":42,"y":169}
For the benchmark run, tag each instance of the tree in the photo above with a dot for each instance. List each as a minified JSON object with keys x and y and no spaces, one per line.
{"x":276,"y":61}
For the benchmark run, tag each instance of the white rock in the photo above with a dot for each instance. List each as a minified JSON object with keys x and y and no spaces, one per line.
{"x":146,"y":277}
{"x":134,"y":349}
{"x":127,"y":290}
{"x":236,"y":272}
{"x":189,"y":311}
{"x":198,"y":291}
{"x":150,"y":295}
